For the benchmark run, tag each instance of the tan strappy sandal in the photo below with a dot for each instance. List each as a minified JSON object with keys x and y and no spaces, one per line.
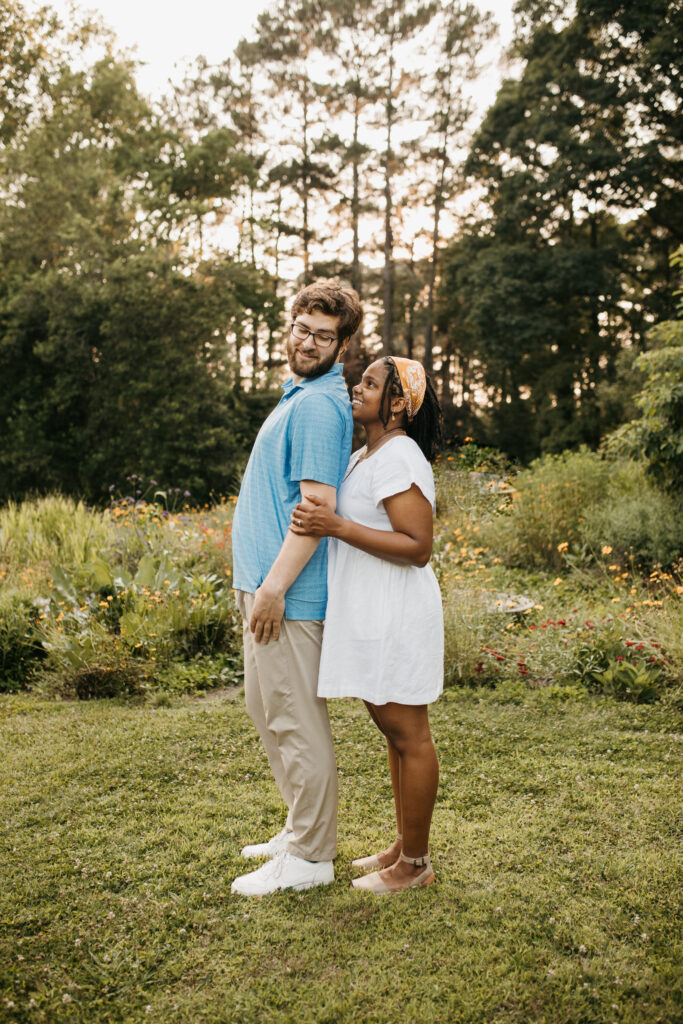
{"x":373,"y":861}
{"x":375,"y":883}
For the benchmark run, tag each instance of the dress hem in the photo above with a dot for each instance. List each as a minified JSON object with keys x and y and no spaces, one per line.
{"x":382,"y":699}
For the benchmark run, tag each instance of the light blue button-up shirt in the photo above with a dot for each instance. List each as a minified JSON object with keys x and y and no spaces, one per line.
{"x":306,"y":437}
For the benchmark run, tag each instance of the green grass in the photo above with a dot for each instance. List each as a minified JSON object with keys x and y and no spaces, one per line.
{"x":554,"y":844}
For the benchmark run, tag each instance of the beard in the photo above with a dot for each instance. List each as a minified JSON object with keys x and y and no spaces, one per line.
{"x":320,"y":363}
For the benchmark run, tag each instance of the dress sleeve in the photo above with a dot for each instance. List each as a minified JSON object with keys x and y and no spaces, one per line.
{"x":400,"y":468}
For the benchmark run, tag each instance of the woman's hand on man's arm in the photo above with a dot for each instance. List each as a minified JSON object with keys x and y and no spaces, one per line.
{"x":314,"y":517}
{"x":409,"y":542}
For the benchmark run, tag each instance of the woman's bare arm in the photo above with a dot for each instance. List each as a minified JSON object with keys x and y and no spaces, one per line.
{"x":409,"y":542}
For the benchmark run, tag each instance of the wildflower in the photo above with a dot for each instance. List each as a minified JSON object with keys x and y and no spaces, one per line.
{"x":607,"y":550}
{"x":564,"y":546}
{"x":557,"y":582}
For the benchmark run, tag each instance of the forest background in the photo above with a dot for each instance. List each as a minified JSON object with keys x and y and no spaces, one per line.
{"x":149,"y":249}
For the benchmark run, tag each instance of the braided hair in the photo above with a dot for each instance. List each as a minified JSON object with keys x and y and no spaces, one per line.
{"x":425,"y":427}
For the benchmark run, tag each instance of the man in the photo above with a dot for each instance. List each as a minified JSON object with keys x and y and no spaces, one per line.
{"x":281,"y":588}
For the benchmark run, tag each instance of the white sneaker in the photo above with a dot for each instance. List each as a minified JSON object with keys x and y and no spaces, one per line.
{"x":269,"y":849}
{"x":284,"y":871}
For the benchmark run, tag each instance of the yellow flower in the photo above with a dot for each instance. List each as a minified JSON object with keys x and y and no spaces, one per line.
{"x":557,"y":582}
{"x":607,"y":550}
{"x":564,"y":546}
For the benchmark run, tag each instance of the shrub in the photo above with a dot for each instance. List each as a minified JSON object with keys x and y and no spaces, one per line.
{"x":88,"y":662}
{"x":20,"y":648}
{"x":114,"y":629}
{"x":550,"y":505}
{"x":658,"y":434}
{"x":637,"y":683}
{"x":200,"y":674}
{"x":637,"y":521}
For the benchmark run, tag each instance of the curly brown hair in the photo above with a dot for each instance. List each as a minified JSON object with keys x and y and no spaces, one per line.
{"x":325,"y":296}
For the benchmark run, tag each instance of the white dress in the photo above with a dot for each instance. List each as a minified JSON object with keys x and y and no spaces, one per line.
{"x":383,"y":636}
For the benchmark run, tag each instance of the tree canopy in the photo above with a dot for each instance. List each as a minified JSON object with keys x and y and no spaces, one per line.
{"x":147,"y":250}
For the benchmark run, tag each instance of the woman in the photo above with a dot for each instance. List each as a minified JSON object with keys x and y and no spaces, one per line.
{"x":383,"y":638}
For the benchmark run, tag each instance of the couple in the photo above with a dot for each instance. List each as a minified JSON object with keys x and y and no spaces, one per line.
{"x":383,"y":638}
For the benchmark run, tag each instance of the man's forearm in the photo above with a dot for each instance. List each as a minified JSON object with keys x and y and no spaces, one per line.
{"x":292,"y":557}
{"x":294,"y":553}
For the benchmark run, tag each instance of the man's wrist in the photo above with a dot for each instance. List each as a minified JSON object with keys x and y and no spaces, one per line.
{"x":273,"y":588}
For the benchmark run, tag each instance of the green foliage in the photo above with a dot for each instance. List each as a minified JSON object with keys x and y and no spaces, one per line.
{"x":539,"y":294}
{"x":657,"y":436}
{"x":114,"y":336}
{"x":161,"y":611}
{"x":636,"y":522}
{"x":83,"y":416}
{"x":550,"y":505}
{"x":138,"y":590}
{"x":637,"y":683}
{"x":20,"y":649}
{"x":89,"y":663}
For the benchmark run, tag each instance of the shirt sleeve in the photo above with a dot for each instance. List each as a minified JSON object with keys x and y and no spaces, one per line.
{"x":320,"y":443}
{"x":401,"y":467}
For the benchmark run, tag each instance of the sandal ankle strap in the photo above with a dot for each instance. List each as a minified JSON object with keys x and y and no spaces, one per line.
{"x":419,"y":862}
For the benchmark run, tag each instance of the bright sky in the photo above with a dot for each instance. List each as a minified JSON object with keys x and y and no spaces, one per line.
{"x":165,"y":34}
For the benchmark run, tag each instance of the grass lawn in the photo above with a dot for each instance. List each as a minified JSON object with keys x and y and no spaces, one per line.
{"x":554,"y":844}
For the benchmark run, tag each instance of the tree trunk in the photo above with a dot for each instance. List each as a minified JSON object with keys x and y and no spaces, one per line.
{"x":304,"y":182}
{"x":254,"y":358}
{"x":429,"y":327}
{"x":356,"y":280}
{"x":388,"y":269}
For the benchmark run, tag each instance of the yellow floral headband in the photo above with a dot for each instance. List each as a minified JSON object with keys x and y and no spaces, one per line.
{"x":413,"y":382}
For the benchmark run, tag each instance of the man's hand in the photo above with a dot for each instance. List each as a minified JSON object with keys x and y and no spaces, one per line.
{"x":267,"y":614}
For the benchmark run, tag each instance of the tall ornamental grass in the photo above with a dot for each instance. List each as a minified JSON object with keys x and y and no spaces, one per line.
{"x":47,"y":530}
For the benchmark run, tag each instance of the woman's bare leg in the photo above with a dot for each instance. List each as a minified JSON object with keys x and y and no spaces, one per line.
{"x":390,"y":855}
{"x":407,"y":730}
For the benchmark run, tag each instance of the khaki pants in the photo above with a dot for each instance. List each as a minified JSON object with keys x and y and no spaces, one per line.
{"x":280,"y":688}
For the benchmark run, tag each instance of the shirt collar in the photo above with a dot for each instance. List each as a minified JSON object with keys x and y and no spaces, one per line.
{"x":289,"y":387}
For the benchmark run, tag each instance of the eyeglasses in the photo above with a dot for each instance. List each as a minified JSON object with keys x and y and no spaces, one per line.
{"x":322,"y":340}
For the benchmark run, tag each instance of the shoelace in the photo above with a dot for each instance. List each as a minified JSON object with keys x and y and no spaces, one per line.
{"x":277,"y":863}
